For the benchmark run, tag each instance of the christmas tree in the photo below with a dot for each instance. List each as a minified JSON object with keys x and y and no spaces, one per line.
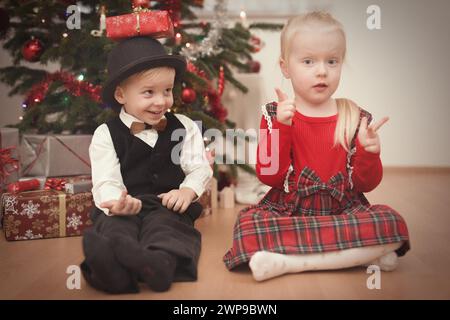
{"x":72,"y":34}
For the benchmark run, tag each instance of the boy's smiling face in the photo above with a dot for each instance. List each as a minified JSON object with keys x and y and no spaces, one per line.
{"x":147,"y":95}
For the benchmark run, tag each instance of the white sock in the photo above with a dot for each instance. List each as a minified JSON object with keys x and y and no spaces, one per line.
{"x":387,"y":262}
{"x":266,"y":265}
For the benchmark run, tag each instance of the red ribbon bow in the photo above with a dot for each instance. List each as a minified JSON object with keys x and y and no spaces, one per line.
{"x":55,"y":184}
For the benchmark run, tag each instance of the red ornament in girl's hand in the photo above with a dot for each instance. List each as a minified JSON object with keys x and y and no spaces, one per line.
{"x":32,"y":50}
{"x":188,"y":95}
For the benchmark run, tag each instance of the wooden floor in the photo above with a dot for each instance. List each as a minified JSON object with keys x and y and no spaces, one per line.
{"x":37,"y":269}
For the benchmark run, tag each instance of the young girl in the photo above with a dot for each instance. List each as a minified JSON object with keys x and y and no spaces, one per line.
{"x":319,"y":154}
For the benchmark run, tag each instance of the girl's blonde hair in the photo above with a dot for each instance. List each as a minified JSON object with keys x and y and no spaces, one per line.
{"x":348,"y":111}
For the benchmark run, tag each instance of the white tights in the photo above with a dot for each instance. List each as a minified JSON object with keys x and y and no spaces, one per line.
{"x":266,"y":265}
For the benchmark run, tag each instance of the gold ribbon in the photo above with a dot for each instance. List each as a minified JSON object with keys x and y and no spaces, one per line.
{"x":62,"y":213}
{"x":138,"y":11}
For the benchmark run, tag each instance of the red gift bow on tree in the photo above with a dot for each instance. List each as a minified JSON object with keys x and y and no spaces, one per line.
{"x":55,"y":184}
{"x":8,"y":164}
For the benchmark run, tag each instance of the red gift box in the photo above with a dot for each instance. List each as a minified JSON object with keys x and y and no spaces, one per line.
{"x":156,"y":24}
{"x":45,"y":214}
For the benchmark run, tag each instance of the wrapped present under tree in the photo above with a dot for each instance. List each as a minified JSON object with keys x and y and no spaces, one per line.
{"x":142,"y":21}
{"x":45,"y":214}
{"x":55,"y":155}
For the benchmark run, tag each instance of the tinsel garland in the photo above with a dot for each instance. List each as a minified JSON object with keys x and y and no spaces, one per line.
{"x":76,"y":87}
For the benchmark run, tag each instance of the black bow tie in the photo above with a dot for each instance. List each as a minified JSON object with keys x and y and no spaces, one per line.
{"x":137,"y":127}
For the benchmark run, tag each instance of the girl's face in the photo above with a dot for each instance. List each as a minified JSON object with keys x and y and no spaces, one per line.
{"x":314,"y":63}
{"x":147,"y":96}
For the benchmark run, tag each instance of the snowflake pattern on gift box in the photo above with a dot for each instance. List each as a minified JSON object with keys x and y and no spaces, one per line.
{"x":52,"y":213}
{"x":10,"y":204}
{"x":30,"y":209}
{"x":116,"y":21}
{"x":52,"y":231}
{"x":29,"y":236}
{"x":74,"y":221}
{"x":11,"y":226}
{"x":144,"y":19}
{"x":38,"y":224}
{"x":47,"y":199}
{"x":80,"y":201}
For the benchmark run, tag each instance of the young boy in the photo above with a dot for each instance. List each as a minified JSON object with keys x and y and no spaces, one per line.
{"x":144,"y":191}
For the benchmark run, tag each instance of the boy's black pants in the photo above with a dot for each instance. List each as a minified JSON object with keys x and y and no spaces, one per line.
{"x":155,"y":228}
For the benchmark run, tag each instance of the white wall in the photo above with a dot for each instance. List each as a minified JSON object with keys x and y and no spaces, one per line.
{"x":401,"y":71}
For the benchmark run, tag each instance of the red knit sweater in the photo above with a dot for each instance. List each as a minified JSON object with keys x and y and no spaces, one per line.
{"x":311,"y":141}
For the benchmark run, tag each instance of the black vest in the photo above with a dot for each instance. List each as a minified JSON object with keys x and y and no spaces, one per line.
{"x":147,"y":170}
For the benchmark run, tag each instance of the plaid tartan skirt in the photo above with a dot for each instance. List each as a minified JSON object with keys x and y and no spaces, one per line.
{"x":314,"y":217}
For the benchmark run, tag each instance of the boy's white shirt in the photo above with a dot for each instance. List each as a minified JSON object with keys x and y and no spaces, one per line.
{"x":106,"y":177}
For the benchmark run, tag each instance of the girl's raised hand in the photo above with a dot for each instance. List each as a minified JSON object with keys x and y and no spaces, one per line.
{"x":368,"y":136}
{"x":285,"y":108}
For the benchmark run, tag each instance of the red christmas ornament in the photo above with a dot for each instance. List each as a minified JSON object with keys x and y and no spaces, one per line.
{"x":32,"y":50}
{"x":216,"y":107}
{"x":254,"y":40}
{"x":221,"y":81}
{"x":188,"y":95}
{"x":255,"y":49}
{"x":256,"y":43}
{"x":254,"y":65}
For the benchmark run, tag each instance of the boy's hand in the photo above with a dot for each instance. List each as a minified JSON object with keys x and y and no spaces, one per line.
{"x":178,"y":199}
{"x":285,"y":108}
{"x":368,"y":136}
{"x":126,"y":205}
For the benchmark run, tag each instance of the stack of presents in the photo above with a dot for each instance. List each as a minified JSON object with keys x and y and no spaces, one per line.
{"x":45,"y":185}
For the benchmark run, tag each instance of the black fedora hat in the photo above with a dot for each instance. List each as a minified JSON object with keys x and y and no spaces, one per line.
{"x":134,"y":55}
